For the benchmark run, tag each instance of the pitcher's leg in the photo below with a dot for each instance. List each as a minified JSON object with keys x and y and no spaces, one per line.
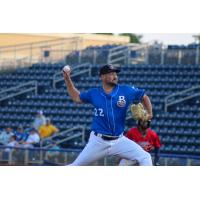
{"x":93,"y":151}
{"x":129,"y":150}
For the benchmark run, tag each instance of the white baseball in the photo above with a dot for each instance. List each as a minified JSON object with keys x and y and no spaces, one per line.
{"x":66,"y":68}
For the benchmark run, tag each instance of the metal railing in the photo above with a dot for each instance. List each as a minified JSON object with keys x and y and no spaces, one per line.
{"x":76,"y":71}
{"x":123,"y":54}
{"x":31,"y":156}
{"x":118,"y":54}
{"x":179,"y":97}
{"x":64,"y":134}
{"x":46,"y":51}
{"x":178,"y":160}
{"x":163,"y":55}
{"x":37,"y":155}
{"x":140,"y":51}
{"x":58,"y":49}
{"x":18,"y":90}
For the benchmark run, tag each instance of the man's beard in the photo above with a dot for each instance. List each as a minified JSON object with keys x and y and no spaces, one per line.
{"x":112,"y":84}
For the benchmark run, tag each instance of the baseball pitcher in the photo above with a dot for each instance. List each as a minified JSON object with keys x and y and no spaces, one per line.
{"x":110,"y":102}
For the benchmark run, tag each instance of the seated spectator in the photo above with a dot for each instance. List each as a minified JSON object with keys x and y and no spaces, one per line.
{"x":39,"y":120}
{"x":12,"y":143}
{"x":48,"y":129}
{"x":5,"y":136}
{"x":21,"y":136}
{"x":32,"y":139}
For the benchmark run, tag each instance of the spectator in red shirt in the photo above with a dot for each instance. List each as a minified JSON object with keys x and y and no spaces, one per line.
{"x":146,"y":138}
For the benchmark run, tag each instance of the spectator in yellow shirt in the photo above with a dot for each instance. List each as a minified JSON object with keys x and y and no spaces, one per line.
{"x":48,"y":129}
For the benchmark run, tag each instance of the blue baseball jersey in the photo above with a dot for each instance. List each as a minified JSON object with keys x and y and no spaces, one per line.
{"x":110,"y":109}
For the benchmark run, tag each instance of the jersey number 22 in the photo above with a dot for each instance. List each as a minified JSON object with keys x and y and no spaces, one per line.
{"x":98,"y":112}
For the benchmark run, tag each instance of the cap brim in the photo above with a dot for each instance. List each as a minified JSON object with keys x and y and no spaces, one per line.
{"x":114,"y":70}
{"x":110,"y":71}
{"x":117,"y":70}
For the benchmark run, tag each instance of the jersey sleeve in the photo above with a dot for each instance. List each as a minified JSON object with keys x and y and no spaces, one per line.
{"x":86,"y":96}
{"x":135,"y":94}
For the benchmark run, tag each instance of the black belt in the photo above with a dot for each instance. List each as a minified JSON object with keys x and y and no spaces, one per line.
{"x":107,"y":137}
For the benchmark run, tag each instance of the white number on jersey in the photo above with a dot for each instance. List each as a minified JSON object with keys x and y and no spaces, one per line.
{"x":98,"y":112}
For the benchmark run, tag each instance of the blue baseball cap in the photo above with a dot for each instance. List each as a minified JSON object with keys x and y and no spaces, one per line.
{"x":106,"y":69}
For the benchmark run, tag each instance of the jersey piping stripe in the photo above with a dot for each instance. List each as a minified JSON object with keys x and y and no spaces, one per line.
{"x":112,"y":109}
{"x":107,"y":111}
{"x":113,"y":117}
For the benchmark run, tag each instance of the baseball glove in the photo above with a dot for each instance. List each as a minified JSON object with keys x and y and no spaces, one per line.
{"x":138,"y":112}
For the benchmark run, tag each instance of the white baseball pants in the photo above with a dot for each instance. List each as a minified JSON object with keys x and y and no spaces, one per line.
{"x":98,"y":148}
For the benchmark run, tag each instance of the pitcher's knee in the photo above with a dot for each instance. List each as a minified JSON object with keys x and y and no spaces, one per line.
{"x":145,"y":160}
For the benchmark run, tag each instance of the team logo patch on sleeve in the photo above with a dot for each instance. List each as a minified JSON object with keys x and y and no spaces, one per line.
{"x":121,"y":102}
